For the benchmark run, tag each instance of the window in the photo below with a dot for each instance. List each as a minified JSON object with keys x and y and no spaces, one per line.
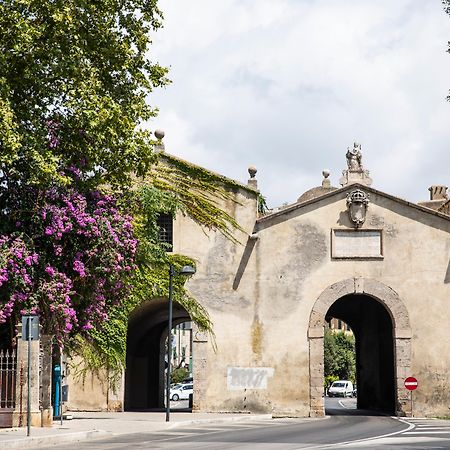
{"x":165,"y":224}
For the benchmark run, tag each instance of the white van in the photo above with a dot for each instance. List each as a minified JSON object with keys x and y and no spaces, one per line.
{"x":341,"y":388}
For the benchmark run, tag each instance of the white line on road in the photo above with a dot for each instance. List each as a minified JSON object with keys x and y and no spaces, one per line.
{"x":410,"y":426}
{"x":427,"y":432}
{"x":346,"y":407}
{"x":401,"y":440}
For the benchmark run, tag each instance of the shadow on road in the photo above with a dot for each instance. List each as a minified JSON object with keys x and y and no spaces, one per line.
{"x":347,"y":407}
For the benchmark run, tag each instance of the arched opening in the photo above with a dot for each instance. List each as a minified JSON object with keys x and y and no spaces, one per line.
{"x":376,"y":311}
{"x":147,"y":354}
{"x":372,"y":327}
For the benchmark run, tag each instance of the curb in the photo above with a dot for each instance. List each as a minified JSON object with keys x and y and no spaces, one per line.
{"x":25,"y":442}
{"x":38,"y":441}
{"x":220,"y":420}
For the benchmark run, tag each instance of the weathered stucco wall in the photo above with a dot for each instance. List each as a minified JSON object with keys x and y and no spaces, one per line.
{"x":92,"y":391}
{"x":260,"y":296}
{"x":267,"y":298}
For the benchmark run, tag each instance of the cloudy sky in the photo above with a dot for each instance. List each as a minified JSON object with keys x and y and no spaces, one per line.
{"x":288,"y":85}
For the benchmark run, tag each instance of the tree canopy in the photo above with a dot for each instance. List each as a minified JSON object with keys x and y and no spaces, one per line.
{"x":78,"y":236}
{"x":74,"y":79}
{"x":339,"y":355}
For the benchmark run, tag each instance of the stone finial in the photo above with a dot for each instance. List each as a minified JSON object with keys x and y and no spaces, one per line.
{"x":355,"y":172}
{"x":252,"y":171}
{"x":438,"y":192}
{"x":252,"y":182}
{"x":159,"y":134}
{"x":159,"y":147}
{"x":326,"y":182}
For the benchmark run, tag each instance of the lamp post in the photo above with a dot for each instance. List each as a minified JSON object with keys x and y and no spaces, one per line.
{"x":185,"y":270}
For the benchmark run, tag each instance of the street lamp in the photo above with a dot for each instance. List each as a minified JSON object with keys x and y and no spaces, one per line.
{"x":185,"y":270}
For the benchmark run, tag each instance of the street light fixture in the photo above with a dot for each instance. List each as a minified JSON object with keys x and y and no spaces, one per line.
{"x":185,"y":270}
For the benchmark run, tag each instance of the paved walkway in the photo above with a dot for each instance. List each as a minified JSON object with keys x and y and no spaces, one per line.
{"x":92,"y":425}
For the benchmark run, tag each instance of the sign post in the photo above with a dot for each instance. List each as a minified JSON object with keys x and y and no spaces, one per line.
{"x":411,"y":384}
{"x":30,"y":331}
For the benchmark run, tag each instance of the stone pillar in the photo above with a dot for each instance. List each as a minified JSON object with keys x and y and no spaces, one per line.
{"x":199,"y":356}
{"x":20,"y":413}
{"x":46,"y":381}
{"x":403,"y":365}
{"x":316,"y":372}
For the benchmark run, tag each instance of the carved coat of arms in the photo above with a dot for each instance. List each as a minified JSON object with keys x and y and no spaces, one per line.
{"x":357,"y":204}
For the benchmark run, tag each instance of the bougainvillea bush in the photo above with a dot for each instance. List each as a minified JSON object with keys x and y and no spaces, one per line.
{"x":69,"y":260}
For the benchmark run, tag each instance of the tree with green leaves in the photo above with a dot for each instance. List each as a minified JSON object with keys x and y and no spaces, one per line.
{"x":339,"y":356}
{"x":75,"y":77}
{"x":74,"y":81}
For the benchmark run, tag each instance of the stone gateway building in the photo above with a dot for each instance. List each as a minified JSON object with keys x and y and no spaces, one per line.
{"x":375,"y":261}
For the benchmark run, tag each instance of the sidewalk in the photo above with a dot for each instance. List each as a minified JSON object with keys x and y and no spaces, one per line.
{"x":92,"y":425}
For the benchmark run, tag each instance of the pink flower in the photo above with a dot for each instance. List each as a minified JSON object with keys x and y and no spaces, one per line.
{"x":78,"y":266}
{"x":50,"y":270}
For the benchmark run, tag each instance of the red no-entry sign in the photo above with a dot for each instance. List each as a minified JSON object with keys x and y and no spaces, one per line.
{"x":411,"y":383}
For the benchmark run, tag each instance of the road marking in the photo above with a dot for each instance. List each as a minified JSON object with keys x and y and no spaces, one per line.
{"x":400,"y":440}
{"x":427,"y":432}
{"x":346,"y":407}
{"x":357,"y":441}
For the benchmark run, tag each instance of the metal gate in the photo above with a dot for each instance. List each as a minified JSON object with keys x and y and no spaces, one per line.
{"x":8,"y":369}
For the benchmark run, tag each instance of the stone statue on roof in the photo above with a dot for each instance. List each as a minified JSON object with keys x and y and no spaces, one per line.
{"x":355,"y":172}
{"x":354,"y":157}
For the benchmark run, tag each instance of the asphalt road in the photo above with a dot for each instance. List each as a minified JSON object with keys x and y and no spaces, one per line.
{"x":345,"y":429}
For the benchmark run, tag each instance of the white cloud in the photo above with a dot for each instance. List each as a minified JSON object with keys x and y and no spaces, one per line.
{"x":287,"y":86}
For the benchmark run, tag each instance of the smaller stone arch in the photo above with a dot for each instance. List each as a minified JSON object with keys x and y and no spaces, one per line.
{"x":401,"y":330}
{"x":145,"y":366}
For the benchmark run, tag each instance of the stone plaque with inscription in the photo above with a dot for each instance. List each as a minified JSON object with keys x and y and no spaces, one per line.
{"x":356,"y":244}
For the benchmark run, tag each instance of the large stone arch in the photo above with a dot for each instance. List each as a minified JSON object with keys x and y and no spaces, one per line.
{"x":401,"y":337}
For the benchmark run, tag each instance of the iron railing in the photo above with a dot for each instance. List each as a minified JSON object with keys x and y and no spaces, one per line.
{"x":8,"y":363}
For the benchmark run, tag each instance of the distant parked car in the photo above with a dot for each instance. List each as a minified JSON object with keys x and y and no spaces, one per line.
{"x":182,"y":392}
{"x":341,"y":388}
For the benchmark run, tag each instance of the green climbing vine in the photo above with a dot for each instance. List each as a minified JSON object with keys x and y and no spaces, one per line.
{"x":171,"y":188}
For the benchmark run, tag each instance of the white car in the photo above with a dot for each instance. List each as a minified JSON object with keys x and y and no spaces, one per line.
{"x":182,"y":392}
{"x":341,"y":388}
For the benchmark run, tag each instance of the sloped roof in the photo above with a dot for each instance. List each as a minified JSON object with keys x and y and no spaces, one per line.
{"x":265,"y":220}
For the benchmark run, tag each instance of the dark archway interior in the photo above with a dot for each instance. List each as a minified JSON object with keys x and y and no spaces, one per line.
{"x":372,"y":327}
{"x":6,"y":336}
{"x":145,"y":366}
